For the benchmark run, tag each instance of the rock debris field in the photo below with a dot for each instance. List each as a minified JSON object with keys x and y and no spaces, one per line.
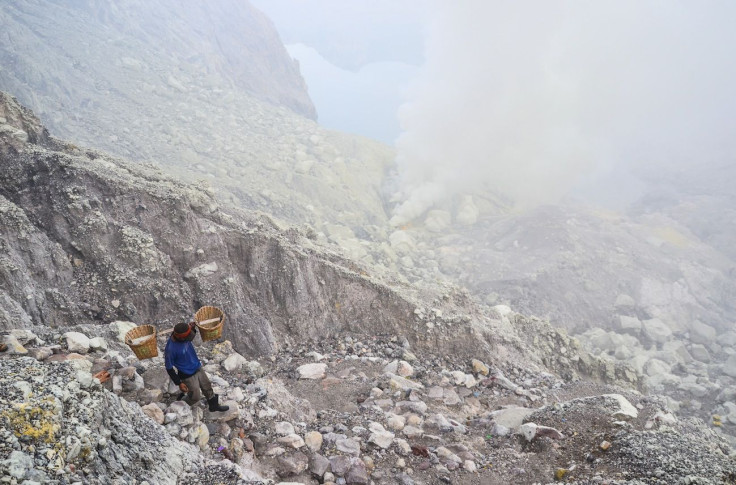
{"x":342,"y":411}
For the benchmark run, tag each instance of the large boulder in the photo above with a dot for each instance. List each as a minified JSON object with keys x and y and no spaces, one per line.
{"x":234,"y":362}
{"x":701,"y":333}
{"x":77,"y":342}
{"x":729,"y":367}
{"x":656,"y":330}
{"x":312,"y":371}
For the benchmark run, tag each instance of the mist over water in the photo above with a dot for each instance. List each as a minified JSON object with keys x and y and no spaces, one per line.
{"x":541,"y":100}
{"x":362,"y":102}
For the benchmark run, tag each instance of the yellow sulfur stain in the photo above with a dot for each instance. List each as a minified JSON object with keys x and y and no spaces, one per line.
{"x":38,"y":421}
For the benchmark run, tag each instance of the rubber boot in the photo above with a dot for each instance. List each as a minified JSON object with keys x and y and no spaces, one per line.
{"x":215,"y":405}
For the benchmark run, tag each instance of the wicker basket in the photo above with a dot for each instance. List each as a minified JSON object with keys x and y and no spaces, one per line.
{"x":144,"y":348}
{"x":213,"y":330}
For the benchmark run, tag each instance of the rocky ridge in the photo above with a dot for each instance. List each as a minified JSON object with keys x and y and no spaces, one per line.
{"x":60,"y":426}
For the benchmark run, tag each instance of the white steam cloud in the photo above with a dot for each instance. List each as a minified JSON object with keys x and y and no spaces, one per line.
{"x":528,"y":98}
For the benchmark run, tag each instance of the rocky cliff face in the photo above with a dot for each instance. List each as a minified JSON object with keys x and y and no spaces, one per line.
{"x":359,"y":378}
{"x":63,"y":54}
{"x":162,"y":81}
{"x":92,"y":238}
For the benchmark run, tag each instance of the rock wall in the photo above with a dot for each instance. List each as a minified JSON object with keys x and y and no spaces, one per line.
{"x":91,"y":239}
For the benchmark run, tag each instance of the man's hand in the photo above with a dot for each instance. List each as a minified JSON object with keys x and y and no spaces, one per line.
{"x":183,"y":387}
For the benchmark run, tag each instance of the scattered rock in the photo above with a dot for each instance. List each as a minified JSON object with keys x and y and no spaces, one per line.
{"x":292,"y":464}
{"x":532,"y":431}
{"x":234,"y":362}
{"x":284,"y":428}
{"x":313,"y":440}
{"x":154,"y":412}
{"x":312,"y":371}
{"x":480,"y":368}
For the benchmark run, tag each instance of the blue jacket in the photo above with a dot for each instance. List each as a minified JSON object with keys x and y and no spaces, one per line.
{"x":182,"y":356}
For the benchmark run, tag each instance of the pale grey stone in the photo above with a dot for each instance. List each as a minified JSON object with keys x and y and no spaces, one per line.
{"x":312,"y":371}
{"x":313,"y":440}
{"x":656,"y":367}
{"x":357,"y":474}
{"x":19,"y":464}
{"x":318,"y":465}
{"x":629,"y":324}
{"x":511,"y":417}
{"x":292,"y":464}
{"x":626,"y":409}
{"x":379,"y":436}
{"x":154,"y":412}
{"x":729,"y":367}
{"x":77,"y":342}
{"x":656,"y":330}
{"x":234,"y":362}
{"x":284,"y":428}
{"x":120,"y":328}
{"x":340,"y":464}
{"x":291,"y":440}
{"x":702,"y":333}
{"x":98,"y":343}
{"x":348,"y":445}
{"x":700,"y":353}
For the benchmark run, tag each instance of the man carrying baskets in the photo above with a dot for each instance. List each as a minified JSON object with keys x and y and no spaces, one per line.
{"x":189,"y":375}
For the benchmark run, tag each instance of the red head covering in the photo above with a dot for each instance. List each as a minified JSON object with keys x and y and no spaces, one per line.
{"x":183,"y":332}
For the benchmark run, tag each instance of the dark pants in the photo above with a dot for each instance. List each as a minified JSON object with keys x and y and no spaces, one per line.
{"x":199,"y":383}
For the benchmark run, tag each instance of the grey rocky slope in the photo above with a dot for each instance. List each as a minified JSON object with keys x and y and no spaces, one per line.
{"x":167,"y":82}
{"x":60,"y":424}
{"x":657,"y":282}
{"x":95,"y":43}
{"x":353,"y":410}
{"x":374,"y":367}
{"x":90,"y":238}
{"x":643,"y":289}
